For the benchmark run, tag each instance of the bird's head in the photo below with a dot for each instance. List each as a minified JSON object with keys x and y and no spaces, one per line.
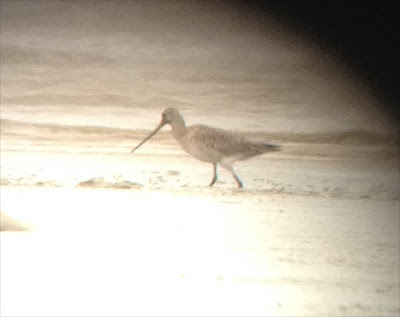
{"x":170,"y":115}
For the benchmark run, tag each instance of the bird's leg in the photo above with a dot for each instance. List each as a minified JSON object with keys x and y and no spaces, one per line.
{"x":230,"y":169}
{"x":238,"y":180}
{"x":215,"y":175}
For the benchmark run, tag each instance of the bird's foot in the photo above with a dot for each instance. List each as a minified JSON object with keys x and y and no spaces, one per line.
{"x":213,"y":182}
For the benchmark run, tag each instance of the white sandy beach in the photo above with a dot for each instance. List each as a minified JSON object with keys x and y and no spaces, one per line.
{"x":91,"y":230}
{"x":308,"y":236}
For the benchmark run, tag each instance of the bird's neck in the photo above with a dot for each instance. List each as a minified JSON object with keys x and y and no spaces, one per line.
{"x":178,"y":128}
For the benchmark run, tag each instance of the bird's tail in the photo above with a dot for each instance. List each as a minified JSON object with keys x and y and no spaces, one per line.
{"x":272,"y":146}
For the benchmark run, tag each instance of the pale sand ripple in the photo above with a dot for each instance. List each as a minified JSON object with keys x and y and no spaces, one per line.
{"x":8,"y":223}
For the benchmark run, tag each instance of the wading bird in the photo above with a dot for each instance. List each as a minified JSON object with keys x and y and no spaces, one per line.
{"x":210,"y":144}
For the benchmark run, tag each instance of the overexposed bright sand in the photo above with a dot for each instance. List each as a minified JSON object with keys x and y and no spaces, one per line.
{"x":310,"y":240}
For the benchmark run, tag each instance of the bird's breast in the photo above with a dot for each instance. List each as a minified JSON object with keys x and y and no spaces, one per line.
{"x":199,"y":150}
{"x":194,"y":143}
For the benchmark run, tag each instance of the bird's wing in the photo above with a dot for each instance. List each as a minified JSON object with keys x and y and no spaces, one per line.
{"x":224,"y":142}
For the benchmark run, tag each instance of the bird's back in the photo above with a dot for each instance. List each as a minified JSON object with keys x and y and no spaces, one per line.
{"x":213,"y":144}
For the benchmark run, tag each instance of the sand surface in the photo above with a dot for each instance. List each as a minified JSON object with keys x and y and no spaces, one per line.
{"x":145,"y":235}
{"x":90,"y":230}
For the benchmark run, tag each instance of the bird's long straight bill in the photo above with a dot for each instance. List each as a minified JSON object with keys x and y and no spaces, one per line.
{"x":149,"y":136}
